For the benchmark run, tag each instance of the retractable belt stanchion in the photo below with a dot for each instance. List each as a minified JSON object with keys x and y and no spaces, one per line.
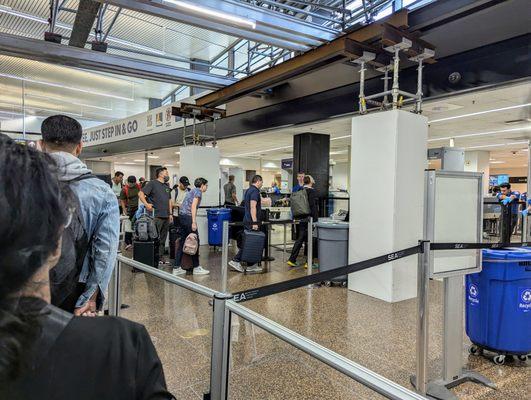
{"x":284,"y":249}
{"x":420,"y":380}
{"x":219,"y":367}
{"x":114,"y":292}
{"x":224,"y":256}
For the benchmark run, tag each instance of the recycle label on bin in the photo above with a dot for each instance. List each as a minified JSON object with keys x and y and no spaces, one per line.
{"x":473,"y":295}
{"x":524,"y":299}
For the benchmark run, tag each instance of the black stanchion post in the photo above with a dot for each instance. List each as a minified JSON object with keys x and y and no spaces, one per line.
{"x":267,"y":250}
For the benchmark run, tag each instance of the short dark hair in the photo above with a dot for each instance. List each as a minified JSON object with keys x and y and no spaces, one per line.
{"x":184,"y":180}
{"x":307,"y":180}
{"x":131,"y":179}
{"x":200,"y":182}
{"x":231,"y":177}
{"x":256,"y":178}
{"x":159,"y":170}
{"x":60,"y":130}
{"x":119,"y":173}
{"x":505,"y":185}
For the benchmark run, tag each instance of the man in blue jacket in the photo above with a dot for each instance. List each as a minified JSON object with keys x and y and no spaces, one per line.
{"x":61,"y":138}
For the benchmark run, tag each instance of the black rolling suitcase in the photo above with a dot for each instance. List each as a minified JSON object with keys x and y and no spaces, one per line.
{"x":146,"y":252}
{"x":252,"y":246}
{"x":174,"y":235}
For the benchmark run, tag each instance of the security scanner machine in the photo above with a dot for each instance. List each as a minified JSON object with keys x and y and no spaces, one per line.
{"x":492,"y":211}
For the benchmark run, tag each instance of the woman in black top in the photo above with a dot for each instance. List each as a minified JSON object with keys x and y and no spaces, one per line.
{"x":46,"y":353}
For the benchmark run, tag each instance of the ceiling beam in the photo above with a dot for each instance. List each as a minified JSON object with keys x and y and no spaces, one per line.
{"x":326,"y":54}
{"x":85,"y":17}
{"x":39,"y":50}
{"x":273,"y":28}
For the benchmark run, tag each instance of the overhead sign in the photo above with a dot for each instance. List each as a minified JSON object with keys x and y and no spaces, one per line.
{"x":153,"y":121}
{"x":287,"y":163}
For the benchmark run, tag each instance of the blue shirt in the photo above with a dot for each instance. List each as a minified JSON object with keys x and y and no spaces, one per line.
{"x":296,"y":188}
{"x":514,"y":203}
{"x":252,"y":194}
{"x":186,"y":207}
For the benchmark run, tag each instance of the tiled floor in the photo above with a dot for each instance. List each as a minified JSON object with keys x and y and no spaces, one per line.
{"x":373,"y":333}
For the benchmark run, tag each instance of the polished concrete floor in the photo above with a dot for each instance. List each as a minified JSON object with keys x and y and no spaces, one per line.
{"x":373,"y":333}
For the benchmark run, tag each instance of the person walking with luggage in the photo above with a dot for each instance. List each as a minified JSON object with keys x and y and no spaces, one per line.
{"x":129,"y":202}
{"x":230,"y":192}
{"x":45,"y":352}
{"x":156,"y":196}
{"x":251,"y":219}
{"x":87,"y":264}
{"x":302,"y":237}
{"x":188,"y":225}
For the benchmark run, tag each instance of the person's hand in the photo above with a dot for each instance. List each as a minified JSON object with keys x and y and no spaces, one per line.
{"x":149,"y":207}
{"x":525,"y":212}
{"x":506,"y":201}
{"x":255,"y":227}
{"x":171,"y":218}
{"x":194,"y":226}
{"x":87,"y":310}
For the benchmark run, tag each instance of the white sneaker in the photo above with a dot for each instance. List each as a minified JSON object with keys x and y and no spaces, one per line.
{"x":235,"y":265}
{"x":254,"y":268}
{"x":201,"y":271}
{"x":178,"y":271}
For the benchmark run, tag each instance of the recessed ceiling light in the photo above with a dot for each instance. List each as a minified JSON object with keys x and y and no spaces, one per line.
{"x":139,"y":160}
{"x":153,"y":157}
{"x":497,"y":162}
{"x":457,"y":136}
{"x":480,"y":113}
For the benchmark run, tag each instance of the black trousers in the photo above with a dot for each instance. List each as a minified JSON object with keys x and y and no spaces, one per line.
{"x":162,"y":225}
{"x":129,"y":235}
{"x":302,"y":238}
{"x":185,"y":228}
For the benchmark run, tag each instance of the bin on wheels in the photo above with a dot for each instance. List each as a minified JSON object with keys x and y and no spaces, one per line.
{"x":216,"y":216}
{"x":498,"y":304}
{"x":332,"y":239}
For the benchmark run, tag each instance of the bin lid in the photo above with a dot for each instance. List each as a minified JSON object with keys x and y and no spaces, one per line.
{"x":508,"y":254}
{"x":331,"y":224}
{"x":218,"y":210}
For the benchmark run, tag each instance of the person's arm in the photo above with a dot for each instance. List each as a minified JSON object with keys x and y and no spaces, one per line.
{"x":234,"y":197}
{"x":149,"y":374}
{"x":253,"y":213}
{"x":195,"y":203}
{"x":142,"y":197}
{"x":170,"y":206}
{"x":123,"y":201}
{"x":101,"y":257}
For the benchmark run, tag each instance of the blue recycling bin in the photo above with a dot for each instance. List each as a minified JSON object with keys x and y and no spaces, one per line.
{"x":498,"y":302}
{"x":216,"y":216}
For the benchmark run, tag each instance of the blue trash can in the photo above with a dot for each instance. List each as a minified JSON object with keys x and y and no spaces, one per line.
{"x":216,"y":216}
{"x":498,"y":303}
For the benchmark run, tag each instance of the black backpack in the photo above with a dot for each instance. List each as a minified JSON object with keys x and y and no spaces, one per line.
{"x":64,"y":277}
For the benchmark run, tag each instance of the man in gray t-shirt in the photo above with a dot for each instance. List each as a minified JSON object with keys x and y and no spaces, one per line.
{"x":230,"y":192}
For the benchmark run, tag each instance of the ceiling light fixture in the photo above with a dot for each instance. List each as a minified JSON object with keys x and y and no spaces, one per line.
{"x":523,"y":128}
{"x":209,"y":12}
{"x":497,"y":162}
{"x":58,"y":85}
{"x":10,"y":11}
{"x":43,"y":109}
{"x":341,"y":137}
{"x":480,"y":113}
{"x":261,"y":151}
{"x":38,"y":96}
{"x":153,"y":157}
{"x":139,"y":160}
{"x":496,"y":145}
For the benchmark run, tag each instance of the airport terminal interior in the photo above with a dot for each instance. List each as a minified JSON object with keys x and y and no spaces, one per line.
{"x":387,"y":140}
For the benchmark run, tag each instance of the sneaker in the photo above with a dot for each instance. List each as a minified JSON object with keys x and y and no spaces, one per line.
{"x":178,"y":271}
{"x":254,"y":268}
{"x":314,"y":266}
{"x":235,"y":265}
{"x":292,"y":264}
{"x":201,"y":271}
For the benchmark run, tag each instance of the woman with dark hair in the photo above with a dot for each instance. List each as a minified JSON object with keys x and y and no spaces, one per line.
{"x":188,"y":224}
{"x":46,"y":353}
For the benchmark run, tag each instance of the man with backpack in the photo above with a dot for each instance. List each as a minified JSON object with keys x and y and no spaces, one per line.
{"x":129,"y":201}
{"x":304,"y":204}
{"x":80,"y":279}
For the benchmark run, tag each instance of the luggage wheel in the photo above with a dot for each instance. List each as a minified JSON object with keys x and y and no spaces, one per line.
{"x":475,"y":350}
{"x":499,"y":359}
{"x":523,"y":357}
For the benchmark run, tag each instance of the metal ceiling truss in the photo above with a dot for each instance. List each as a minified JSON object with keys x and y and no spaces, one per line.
{"x":34,"y":49}
{"x":264,"y":26}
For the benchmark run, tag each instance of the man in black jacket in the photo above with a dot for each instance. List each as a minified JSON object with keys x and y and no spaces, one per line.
{"x":302,"y":237}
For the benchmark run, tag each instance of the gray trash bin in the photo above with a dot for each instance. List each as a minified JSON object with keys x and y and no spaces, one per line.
{"x":333,"y":246}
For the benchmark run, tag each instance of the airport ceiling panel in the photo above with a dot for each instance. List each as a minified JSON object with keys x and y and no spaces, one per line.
{"x":132,"y":30}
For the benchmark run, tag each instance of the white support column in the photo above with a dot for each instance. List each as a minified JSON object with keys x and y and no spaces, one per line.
{"x":202,"y":162}
{"x":388,"y":159}
{"x":479,"y":161}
